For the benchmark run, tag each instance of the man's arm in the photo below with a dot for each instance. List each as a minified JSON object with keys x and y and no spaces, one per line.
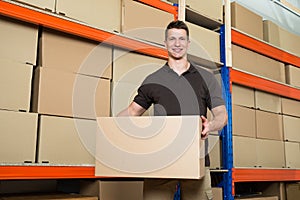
{"x":217,"y":123}
{"x":133,"y":109}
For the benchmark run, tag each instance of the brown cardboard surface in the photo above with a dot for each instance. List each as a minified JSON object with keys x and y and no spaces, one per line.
{"x":269,"y":125}
{"x":18,"y":136}
{"x":49,"y":197}
{"x":247,"y":21}
{"x":74,"y":54}
{"x":91,"y":12}
{"x":211,"y":8}
{"x":292,"y":74}
{"x":133,"y":67}
{"x":66,"y":141}
{"x":15,"y":85}
{"x":290,"y":107}
{"x":292,"y":154}
{"x":270,"y":153}
{"x":291,"y":127}
{"x":150,"y":147}
{"x":45,"y":4}
{"x":243,"y":96}
{"x":204,"y":43}
{"x":267,"y":101}
{"x":217,"y":193}
{"x":149,"y":26}
{"x":259,"y":198}
{"x":113,"y":190}
{"x":244,"y":151}
{"x":214,"y":150}
{"x":271,"y":33}
{"x":243,"y":121}
{"x":66,"y":94}
{"x":293,"y":191}
{"x":243,"y":59}
{"x":19,"y":40}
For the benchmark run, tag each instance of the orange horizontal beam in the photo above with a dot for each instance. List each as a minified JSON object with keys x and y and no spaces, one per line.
{"x":45,"y":172}
{"x":263,"y":48}
{"x":162,"y":6}
{"x":263,"y":84}
{"x":252,"y":175}
{"x":61,"y":24}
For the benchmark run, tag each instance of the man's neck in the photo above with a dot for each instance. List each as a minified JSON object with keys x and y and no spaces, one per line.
{"x":179,"y":66}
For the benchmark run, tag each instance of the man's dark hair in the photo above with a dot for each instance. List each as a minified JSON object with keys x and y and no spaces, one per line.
{"x":179,"y":25}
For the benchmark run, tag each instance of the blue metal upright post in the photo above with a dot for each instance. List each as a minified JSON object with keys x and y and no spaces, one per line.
{"x":227,"y":153}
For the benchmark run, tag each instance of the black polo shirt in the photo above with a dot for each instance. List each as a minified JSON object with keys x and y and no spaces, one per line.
{"x":191,"y":93}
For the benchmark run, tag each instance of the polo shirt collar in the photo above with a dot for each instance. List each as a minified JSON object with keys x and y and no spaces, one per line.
{"x":191,"y":69}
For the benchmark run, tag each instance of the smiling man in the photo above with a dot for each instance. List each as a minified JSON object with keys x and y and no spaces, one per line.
{"x":180,"y":88}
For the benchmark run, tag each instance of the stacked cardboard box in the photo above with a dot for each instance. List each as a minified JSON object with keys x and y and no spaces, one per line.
{"x":46,"y":4}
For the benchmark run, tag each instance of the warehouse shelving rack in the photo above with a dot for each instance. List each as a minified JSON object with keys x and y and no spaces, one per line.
{"x":229,"y":75}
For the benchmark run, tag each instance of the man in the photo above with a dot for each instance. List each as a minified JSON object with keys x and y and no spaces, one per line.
{"x":179,"y":88}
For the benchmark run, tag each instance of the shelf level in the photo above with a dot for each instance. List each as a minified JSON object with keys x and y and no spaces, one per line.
{"x":162,"y":6}
{"x":264,"y":84}
{"x":243,"y":40}
{"x":57,"y":22}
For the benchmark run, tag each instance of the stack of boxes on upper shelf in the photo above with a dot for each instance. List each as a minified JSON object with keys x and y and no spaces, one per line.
{"x":265,"y":125}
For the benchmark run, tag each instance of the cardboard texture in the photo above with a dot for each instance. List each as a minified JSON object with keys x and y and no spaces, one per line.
{"x":132,"y":67}
{"x":246,"y":21}
{"x":267,"y":102}
{"x":244,"y":151}
{"x":66,"y":141}
{"x":15,"y":85}
{"x":113,"y":190}
{"x":291,"y":127}
{"x":73,"y":95}
{"x":217,"y":193}
{"x":150,"y":147}
{"x":290,"y":107}
{"x":281,"y":37}
{"x":292,"y":155}
{"x":292,"y":74}
{"x":93,"y":12}
{"x":242,"y":96}
{"x":210,"y":8}
{"x":243,"y":121}
{"x":293,"y":191}
{"x":259,"y":198}
{"x":257,"y":64}
{"x":214,"y":150}
{"x":204,"y":43}
{"x":270,"y":153}
{"x":69,"y":53}
{"x":18,"y":136}
{"x":45,"y":4}
{"x":20,"y":40}
{"x":269,"y":125}
{"x":49,"y":197}
{"x":144,"y":22}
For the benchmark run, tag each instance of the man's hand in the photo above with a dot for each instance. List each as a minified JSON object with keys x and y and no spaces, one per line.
{"x":205,"y":128}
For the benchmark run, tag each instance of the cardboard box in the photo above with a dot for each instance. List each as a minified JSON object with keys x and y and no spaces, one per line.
{"x":66,"y":94}
{"x":205,"y":43}
{"x":291,"y":127}
{"x":269,"y":125}
{"x":259,"y":198}
{"x":217,"y":193}
{"x":144,"y":22}
{"x":105,"y":14}
{"x":45,"y":4}
{"x":251,"y":62}
{"x":293,"y":191}
{"x":113,"y":189}
{"x":15,"y":86}
{"x":292,"y":74}
{"x":214,"y":150}
{"x":243,"y":121}
{"x":244,"y":151}
{"x":246,"y":21}
{"x":212,"y":9}
{"x":270,"y":153}
{"x":49,"y":197}
{"x":243,"y":96}
{"x":290,"y":107}
{"x":133,"y":67}
{"x":66,"y":141}
{"x":281,"y":37}
{"x":150,"y":147}
{"x":292,"y":155}
{"x":18,"y":136}
{"x":69,"y":53}
{"x":267,"y":101}
{"x":19,"y":40}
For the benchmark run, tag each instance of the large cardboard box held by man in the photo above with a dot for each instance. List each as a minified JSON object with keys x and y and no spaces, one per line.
{"x":150,"y":147}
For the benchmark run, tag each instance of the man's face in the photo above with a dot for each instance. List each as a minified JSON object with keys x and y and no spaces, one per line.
{"x":177,"y":43}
